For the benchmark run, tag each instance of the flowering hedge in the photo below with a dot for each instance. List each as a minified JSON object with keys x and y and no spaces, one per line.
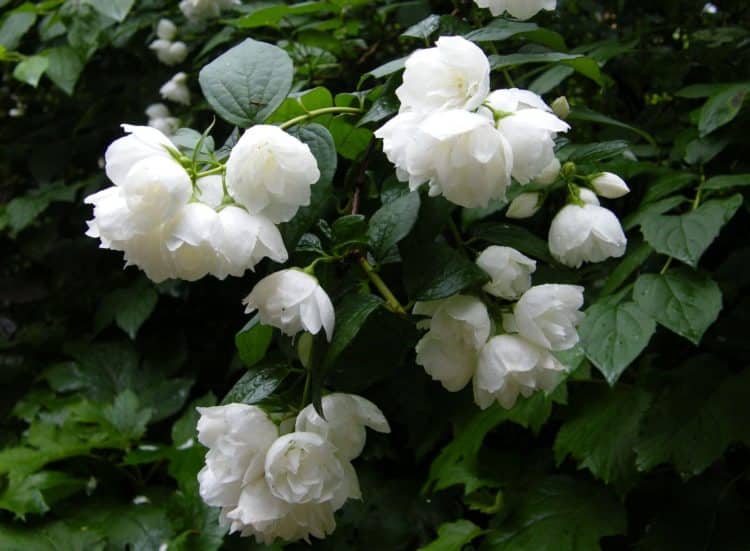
{"x":489,"y":255}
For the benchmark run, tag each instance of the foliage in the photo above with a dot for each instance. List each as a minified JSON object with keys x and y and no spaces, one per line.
{"x":644,"y":445}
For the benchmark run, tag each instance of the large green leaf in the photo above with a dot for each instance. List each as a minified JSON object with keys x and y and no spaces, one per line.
{"x":559,"y":514}
{"x":116,"y":9}
{"x":601,"y":431}
{"x":722,"y":107}
{"x":258,"y":384}
{"x":392,"y":222}
{"x":614,"y":334}
{"x":55,"y":536}
{"x":700,"y":411}
{"x":682,"y":300}
{"x":438,"y":271}
{"x":686,"y":237}
{"x":247,"y":83}
{"x":252,"y":341}
{"x":64,"y":67}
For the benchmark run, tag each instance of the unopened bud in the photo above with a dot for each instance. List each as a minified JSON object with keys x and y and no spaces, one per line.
{"x":524,"y":206}
{"x":561,"y":107}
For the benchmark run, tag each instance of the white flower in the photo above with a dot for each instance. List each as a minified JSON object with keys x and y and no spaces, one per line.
{"x":160,"y":118}
{"x":561,"y":107}
{"x":346,"y":416}
{"x":510,"y":365}
{"x":609,"y":185}
{"x":261,"y":514}
{"x":460,"y":154}
{"x":587,"y":233}
{"x":292,"y":301}
{"x":509,"y":269}
{"x":190,"y":240}
{"x":168,"y":52}
{"x":238,"y":437}
{"x":176,"y":90}
{"x":530,"y":128}
{"x":166,"y":29}
{"x":547,"y":315}
{"x":525,"y":205}
{"x":197,"y":10}
{"x":141,"y":142}
{"x":210,"y":190}
{"x":453,"y":75}
{"x":303,"y":467}
{"x":588,"y":196}
{"x":521,"y":9}
{"x":242,"y":240}
{"x":270,"y":172}
{"x":149,"y":253}
{"x":549,"y":175}
{"x":459,"y":327}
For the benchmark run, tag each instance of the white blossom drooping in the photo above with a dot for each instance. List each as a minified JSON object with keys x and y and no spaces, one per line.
{"x":520,"y":9}
{"x":509,"y":269}
{"x":586,"y":233}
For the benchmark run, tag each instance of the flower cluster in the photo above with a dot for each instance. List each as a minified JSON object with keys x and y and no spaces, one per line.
{"x":168,"y":50}
{"x":458,"y":346}
{"x":160,"y":118}
{"x":461,"y":140}
{"x":584,"y":231}
{"x":521,"y":9}
{"x":174,"y":222}
{"x":176,"y":89}
{"x":288,"y":486}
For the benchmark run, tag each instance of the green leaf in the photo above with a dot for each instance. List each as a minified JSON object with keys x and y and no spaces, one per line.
{"x":424,"y":29}
{"x":614,"y":334}
{"x":513,"y":60}
{"x":115,"y":9}
{"x":453,"y":536}
{"x":273,"y":15}
{"x":31,"y":69}
{"x":256,"y":385}
{"x":633,"y":260}
{"x":65,"y":66}
{"x":682,"y":300}
{"x":320,"y":141}
{"x":351,"y":314}
{"x":729,"y":181}
{"x":135,"y":527}
{"x":514,"y":236}
{"x":601,"y":433}
{"x":126,"y":416}
{"x":55,"y":536}
{"x":559,"y":514}
{"x":700,"y":411}
{"x":129,"y":307}
{"x":437,"y":271}
{"x":686,"y":237}
{"x":593,"y":152}
{"x":37,"y":492}
{"x":589,"y":115}
{"x":252,"y":341}
{"x":349,"y":232}
{"x":500,"y":29}
{"x":722,"y":107}
{"x":247,"y":83}
{"x":301,"y":103}
{"x":14,"y":27}
{"x":392,"y":222}
{"x":22,"y":211}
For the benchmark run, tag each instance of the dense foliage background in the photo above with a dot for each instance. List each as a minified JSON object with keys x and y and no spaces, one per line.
{"x":645,"y":444}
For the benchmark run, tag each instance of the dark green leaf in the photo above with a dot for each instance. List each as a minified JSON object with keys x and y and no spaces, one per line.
{"x":65,"y":66}
{"x":437,"y":271}
{"x":633,"y":260}
{"x":351,"y":314}
{"x":722,"y":107}
{"x":453,"y":536}
{"x":247,"y":83}
{"x":31,"y":69}
{"x":729,"y":181}
{"x":14,"y":26}
{"x":257,"y":384}
{"x":252,"y":341}
{"x":682,"y":300}
{"x":115,"y":9}
{"x":514,"y":236}
{"x":392,"y":222}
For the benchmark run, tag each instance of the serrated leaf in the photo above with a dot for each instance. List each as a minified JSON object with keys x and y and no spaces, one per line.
{"x":682,"y":300}
{"x":686,"y":237}
{"x":601,"y":432}
{"x":697,"y":415}
{"x":437,"y":271}
{"x":252,"y":341}
{"x":559,"y":514}
{"x":126,"y":415}
{"x":247,"y":83}
{"x":392,"y":222}
{"x":614,"y":334}
{"x":454,"y":535}
{"x":256,"y":385}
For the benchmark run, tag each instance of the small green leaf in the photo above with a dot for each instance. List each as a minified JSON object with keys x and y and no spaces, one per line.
{"x":126,"y":416}
{"x":115,"y":9}
{"x":348,"y":232}
{"x":633,"y":260}
{"x":247,"y":83}
{"x":424,"y":29}
{"x":686,"y":237}
{"x":437,"y":271}
{"x":273,"y":15}
{"x":392,"y":222}
{"x":65,"y":66}
{"x":722,"y":107}
{"x":14,"y":27}
{"x":252,"y":341}
{"x":257,"y":384}
{"x":614,"y":334}
{"x":682,"y":300}
{"x":500,"y":29}
{"x":729,"y":181}
{"x":129,"y":307}
{"x":601,"y":432}
{"x":453,"y":536}
{"x":351,"y":314}
{"x":31,"y":69}
{"x":559,"y":514}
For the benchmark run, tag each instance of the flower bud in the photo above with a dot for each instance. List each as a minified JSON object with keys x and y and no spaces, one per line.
{"x":176,"y":90}
{"x":166,"y":30}
{"x":525,"y":205}
{"x":588,"y":196}
{"x":561,"y":107}
{"x":550,"y":174}
{"x":609,"y":185}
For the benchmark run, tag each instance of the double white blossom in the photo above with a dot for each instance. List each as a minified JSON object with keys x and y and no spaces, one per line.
{"x":458,"y":328}
{"x":520,"y":9}
{"x":586,"y":233}
{"x":287,"y":486}
{"x":509,"y":269}
{"x":168,"y":227}
{"x":168,"y":50}
{"x":176,"y":89}
{"x":270,"y":172}
{"x":547,"y":315}
{"x":510,"y":366}
{"x":292,"y":301}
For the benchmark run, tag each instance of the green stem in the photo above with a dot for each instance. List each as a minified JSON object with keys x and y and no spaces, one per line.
{"x":306,"y":391}
{"x":318,"y":112}
{"x":211,"y":172}
{"x":508,"y":78}
{"x":392,"y":302}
